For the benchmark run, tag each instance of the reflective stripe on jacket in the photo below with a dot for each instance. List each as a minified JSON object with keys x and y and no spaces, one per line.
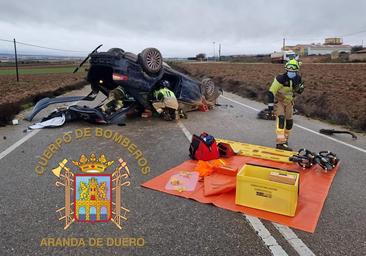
{"x":165,"y":92}
{"x":282,"y":87}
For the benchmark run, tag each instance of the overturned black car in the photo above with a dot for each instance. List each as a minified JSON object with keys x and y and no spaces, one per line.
{"x":138,"y":76}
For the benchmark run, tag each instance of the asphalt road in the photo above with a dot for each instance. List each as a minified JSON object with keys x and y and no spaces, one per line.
{"x":171,"y":225}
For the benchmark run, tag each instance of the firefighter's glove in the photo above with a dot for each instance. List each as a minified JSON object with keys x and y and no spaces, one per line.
{"x":299,"y":88}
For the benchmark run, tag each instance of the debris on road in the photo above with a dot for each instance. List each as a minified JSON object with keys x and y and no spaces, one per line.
{"x":53,"y":122}
{"x":224,"y":105}
{"x":330,"y":132}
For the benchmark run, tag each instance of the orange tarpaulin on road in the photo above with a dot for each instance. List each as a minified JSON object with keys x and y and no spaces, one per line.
{"x":314,"y":187}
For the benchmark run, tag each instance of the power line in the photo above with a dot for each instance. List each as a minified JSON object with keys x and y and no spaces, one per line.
{"x":319,"y":39}
{"x":49,"y":48}
{"x":5,"y":40}
{"x":43,"y":47}
{"x":355,"y":33}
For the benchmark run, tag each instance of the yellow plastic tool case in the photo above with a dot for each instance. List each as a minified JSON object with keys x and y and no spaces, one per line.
{"x":255,"y":189}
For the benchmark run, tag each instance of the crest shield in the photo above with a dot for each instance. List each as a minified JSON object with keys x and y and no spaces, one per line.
{"x":92,"y":197}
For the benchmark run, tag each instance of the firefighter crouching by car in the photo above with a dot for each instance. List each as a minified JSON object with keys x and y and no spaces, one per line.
{"x":114,"y":101}
{"x":283,"y":89}
{"x":166,"y":104}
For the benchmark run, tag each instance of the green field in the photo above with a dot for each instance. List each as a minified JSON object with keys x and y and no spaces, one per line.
{"x":34,"y":71}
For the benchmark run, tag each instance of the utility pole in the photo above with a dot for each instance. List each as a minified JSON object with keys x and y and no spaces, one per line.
{"x":16,"y":59}
{"x":213,"y":51}
{"x":219,"y":52}
{"x":284,"y":44}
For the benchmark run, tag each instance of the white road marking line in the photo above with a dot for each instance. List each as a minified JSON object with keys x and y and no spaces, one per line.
{"x":264,"y":234}
{"x":286,"y":232}
{"x":256,"y":224}
{"x":185,"y":131}
{"x":18,"y":143}
{"x":292,"y":238}
{"x":24,"y":139}
{"x":237,"y":102}
{"x":302,"y":127}
{"x":330,"y":138}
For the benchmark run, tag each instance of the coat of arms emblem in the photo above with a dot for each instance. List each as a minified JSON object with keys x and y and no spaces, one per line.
{"x":93,"y":195}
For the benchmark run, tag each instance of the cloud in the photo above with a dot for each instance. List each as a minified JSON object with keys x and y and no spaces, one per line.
{"x":180,"y":28}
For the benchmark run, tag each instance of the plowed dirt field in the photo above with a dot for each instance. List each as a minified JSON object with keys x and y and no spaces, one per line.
{"x":333,"y":92}
{"x":31,"y":88}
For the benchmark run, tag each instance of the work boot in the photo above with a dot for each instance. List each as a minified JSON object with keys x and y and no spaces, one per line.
{"x":146,"y":114}
{"x":283,"y":146}
{"x":166,"y":115}
{"x":182,"y":114}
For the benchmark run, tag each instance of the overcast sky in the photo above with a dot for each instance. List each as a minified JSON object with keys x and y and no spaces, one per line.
{"x":179,"y":27}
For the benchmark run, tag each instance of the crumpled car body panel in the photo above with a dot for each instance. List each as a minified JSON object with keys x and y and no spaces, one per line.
{"x":138,"y":84}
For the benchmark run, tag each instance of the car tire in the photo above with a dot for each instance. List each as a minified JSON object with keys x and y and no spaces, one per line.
{"x":151,"y":60}
{"x":209,"y":90}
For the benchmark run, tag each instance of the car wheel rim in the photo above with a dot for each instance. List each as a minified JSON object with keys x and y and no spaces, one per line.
{"x":153,"y":60}
{"x":209,"y":88}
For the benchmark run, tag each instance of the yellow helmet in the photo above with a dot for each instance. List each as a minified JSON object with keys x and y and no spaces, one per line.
{"x":292,"y":65}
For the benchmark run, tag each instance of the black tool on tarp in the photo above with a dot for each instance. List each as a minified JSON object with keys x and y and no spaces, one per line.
{"x":327,"y":160}
{"x":330,"y":132}
{"x":306,"y":159}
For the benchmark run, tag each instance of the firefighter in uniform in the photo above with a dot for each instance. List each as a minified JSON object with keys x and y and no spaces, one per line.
{"x":114,"y":101}
{"x":166,"y":104}
{"x":283,"y":89}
